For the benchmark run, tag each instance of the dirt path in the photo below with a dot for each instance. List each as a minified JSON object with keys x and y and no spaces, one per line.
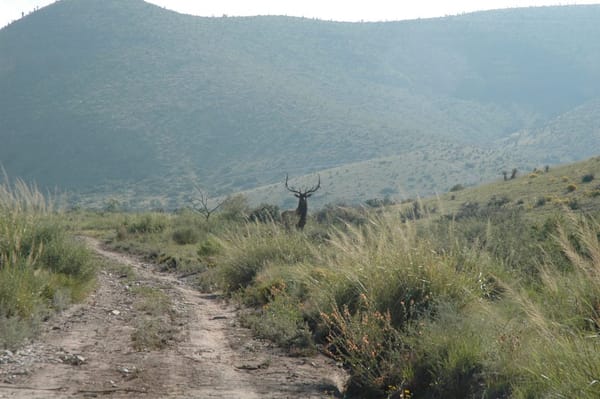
{"x":88,"y":350}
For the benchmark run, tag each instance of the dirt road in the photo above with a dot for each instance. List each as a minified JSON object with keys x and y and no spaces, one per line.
{"x":89,"y":350}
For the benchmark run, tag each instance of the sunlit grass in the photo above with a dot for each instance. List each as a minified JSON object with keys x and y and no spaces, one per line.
{"x":497,"y":301}
{"x":41,"y":268}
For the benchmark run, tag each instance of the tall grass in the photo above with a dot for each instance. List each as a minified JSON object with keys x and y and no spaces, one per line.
{"x":255,"y":246}
{"x":386,"y":281}
{"x":41,"y":268}
{"x":491,"y":304}
{"x":438,"y":308}
{"x":563,"y":354}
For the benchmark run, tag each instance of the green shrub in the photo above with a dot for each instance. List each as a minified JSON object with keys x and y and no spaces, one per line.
{"x":340,"y":214}
{"x":587,"y":178}
{"x":468,"y":210}
{"x":186,"y":235}
{"x":560,"y":317}
{"x":41,"y":269}
{"x":281,"y":321}
{"x":456,"y":356}
{"x":209,"y":247}
{"x":265,"y":213}
{"x":541,"y":201}
{"x":573,"y":204}
{"x":235,"y":208}
{"x":366,"y":342}
{"x":147,"y":223}
{"x":246,"y":252}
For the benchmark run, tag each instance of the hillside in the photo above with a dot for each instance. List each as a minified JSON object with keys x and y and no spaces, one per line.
{"x":540,"y":193}
{"x":124,"y":99}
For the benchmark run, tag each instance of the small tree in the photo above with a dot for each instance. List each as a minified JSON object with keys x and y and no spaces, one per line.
{"x":514,"y":173}
{"x":202,"y":206}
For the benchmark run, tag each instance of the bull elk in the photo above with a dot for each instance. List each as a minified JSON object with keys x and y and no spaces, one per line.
{"x":302,"y":209}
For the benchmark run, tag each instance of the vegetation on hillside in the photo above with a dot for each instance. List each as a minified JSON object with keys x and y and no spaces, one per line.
{"x":123,"y":98}
{"x":496,"y":297}
{"x":42,"y":268}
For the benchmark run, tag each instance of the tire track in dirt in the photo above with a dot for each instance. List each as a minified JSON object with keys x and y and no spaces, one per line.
{"x":87,"y":351}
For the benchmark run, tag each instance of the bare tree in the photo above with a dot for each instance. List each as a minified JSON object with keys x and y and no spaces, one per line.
{"x":302,"y":210}
{"x":202,"y":204}
{"x":514,"y":173}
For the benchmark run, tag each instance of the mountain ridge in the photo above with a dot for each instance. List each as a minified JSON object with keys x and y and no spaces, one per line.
{"x":142,"y":101}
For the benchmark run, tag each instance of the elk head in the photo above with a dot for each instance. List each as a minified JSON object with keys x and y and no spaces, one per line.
{"x":302,"y":195}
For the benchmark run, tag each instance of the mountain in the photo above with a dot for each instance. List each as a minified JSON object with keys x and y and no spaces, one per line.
{"x":569,"y":137}
{"x":123,"y":99}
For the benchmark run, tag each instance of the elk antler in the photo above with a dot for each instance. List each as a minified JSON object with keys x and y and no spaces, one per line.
{"x":301,"y":192}
{"x":292,"y":189}
{"x":314,"y":188}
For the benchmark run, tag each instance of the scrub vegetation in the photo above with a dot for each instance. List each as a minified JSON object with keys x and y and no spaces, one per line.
{"x":43,"y":269}
{"x":494,"y":297}
{"x":227,"y":102}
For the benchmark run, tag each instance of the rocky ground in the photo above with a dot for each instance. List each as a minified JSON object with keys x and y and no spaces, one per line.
{"x":174,"y":343}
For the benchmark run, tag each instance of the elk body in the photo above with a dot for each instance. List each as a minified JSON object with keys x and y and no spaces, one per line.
{"x":302,"y":210}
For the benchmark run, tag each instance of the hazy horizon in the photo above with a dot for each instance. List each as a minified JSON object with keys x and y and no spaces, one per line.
{"x":376,"y":10}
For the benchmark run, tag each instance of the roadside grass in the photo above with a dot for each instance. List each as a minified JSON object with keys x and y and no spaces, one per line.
{"x":179,"y":242}
{"x":488,"y":292}
{"x":440,"y":307}
{"x":42,"y":268}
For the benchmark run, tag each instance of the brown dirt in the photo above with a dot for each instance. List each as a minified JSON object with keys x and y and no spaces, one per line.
{"x":88,"y":350}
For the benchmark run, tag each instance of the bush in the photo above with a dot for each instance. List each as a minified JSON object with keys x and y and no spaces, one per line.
{"x":378,"y":202}
{"x":186,"y":235}
{"x":571,"y":187}
{"x":587,"y":178}
{"x":457,"y":187}
{"x":147,"y":223}
{"x":467,"y":210}
{"x":540,"y":202}
{"x":563,"y":316}
{"x":452,"y":356}
{"x":366,"y":342}
{"x":265,"y":213}
{"x":498,"y":201}
{"x":247,"y":252}
{"x":209,"y":247}
{"x":41,"y":269}
{"x":235,"y":208}
{"x":333,"y":214}
{"x":573,"y":204}
{"x":281,"y":321}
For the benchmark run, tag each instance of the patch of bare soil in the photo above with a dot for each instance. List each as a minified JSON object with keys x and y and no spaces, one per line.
{"x":88,"y":350}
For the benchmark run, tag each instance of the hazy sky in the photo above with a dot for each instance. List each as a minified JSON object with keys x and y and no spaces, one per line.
{"x":341,"y":10}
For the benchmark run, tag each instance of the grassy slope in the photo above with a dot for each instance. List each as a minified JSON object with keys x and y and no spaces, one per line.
{"x":540,"y":193}
{"x":141,"y":102}
{"x":496,"y":304}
